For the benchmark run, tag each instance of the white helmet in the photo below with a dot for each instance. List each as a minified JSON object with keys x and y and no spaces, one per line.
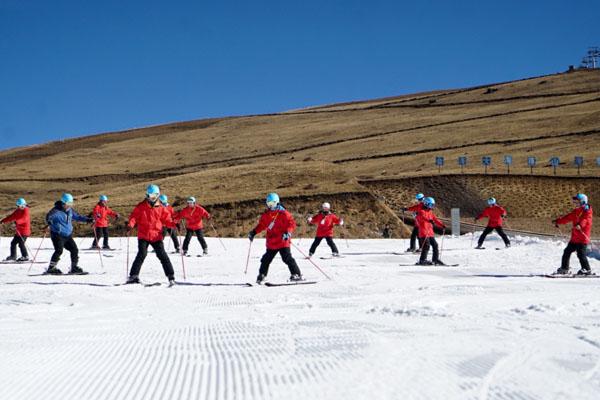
{"x":326,"y":206}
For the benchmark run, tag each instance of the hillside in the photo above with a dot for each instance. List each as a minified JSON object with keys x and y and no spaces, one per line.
{"x":329,"y":153}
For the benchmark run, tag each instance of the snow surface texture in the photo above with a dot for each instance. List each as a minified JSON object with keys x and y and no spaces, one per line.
{"x":484,"y":330}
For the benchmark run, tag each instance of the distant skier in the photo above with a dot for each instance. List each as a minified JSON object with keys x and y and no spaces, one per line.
{"x":193,"y":215}
{"x":325,"y":221}
{"x":425,"y":220}
{"x":22,"y":222}
{"x":171,"y":228}
{"x":150,"y":217}
{"x":100,"y":215}
{"x":495,"y":215}
{"x":60,"y":220}
{"x":581,"y":218}
{"x":279,"y":225}
{"x":415,"y":232}
{"x":386,"y":233}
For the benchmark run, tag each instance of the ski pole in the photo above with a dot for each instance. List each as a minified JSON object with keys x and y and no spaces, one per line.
{"x":98,"y":245}
{"x":345,"y":234}
{"x":218,"y":236}
{"x":248,"y":258}
{"x":182,"y":257}
{"x":311,"y":261}
{"x":127,"y":259}
{"x":442,"y":245}
{"x":36,"y":252}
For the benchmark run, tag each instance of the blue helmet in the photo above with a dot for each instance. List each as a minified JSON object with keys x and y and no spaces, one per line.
{"x":153,"y":191}
{"x":583,"y":199}
{"x":429,"y":202}
{"x":272,"y":200}
{"x":419,"y":196}
{"x":67,"y":198}
{"x":191,"y":199}
{"x":21,"y":202}
{"x":491,"y":201}
{"x":163,"y":199}
{"x":103,"y":197}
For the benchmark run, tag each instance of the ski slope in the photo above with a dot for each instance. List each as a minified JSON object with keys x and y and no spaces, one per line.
{"x":484,"y":330}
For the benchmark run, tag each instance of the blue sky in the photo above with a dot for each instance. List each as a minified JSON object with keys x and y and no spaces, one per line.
{"x":69,"y":68}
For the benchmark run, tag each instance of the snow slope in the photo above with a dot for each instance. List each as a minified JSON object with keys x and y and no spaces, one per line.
{"x":376,"y":331}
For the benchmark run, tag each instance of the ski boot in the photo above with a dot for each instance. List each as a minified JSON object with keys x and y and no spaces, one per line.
{"x":296,"y":278}
{"x":132,"y":279}
{"x":106,"y":248}
{"x":52,"y":270}
{"x":438,"y":262}
{"x":205,"y":252}
{"x":479,"y":247}
{"x":411,"y":250}
{"x":335,"y":254}
{"x":507,"y":245}
{"x":172,"y":281}
{"x":75,"y":270}
{"x":260,"y":279}
{"x":584,"y":272}
{"x":562,"y":271}
{"x":425,"y":262}
{"x":185,"y":253}
{"x":94,"y":247}
{"x":23,"y":259}
{"x":309,"y":256}
{"x":10,"y":258}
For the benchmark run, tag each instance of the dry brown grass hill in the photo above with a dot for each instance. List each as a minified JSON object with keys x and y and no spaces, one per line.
{"x":366,"y":157}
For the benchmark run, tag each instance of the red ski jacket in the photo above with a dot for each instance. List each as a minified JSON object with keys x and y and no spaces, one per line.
{"x":22,"y":221}
{"x":582,"y":217}
{"x":172,"y":213}
{"x":425,"y":220}
{"x":101,"y":214}
{"x":276,"y":223}
{"x":325,"y":224}
{"x":193,"y":217}
{"x":416,"y":208}
{"x":494,"y":214}
{"x":149,"y":221}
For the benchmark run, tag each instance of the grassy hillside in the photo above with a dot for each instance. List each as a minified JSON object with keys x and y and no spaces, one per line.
{"x":322,"y":153}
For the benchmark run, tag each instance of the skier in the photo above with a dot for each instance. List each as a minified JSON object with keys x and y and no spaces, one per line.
{"x":22,"y":222}
{"x":279,"y":224}
{"x":581,"y":218}
{"x":495,"y":215}
{"x":386,"y":233}
{"x":415,"y":232}
{"x":100,"y":215}
{"x":60,"y":220}
{"x":325,"y":221}
{"x":149,"y":216}
{"x":193,"y":215}
{"x":170,"y":228}
{"x":425,"y":220}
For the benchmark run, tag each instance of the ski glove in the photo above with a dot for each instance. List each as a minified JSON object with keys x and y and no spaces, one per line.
{"x":309,"y":219}
{"x":251,"y":235}
{"x":404,"y":209}
{"x":286,"y":236}
{"x":341,"y":222}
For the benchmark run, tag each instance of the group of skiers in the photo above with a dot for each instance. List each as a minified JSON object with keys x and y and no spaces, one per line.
{"x":154,"y":218}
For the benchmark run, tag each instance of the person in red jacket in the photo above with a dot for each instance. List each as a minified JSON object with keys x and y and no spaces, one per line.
{"x":193,"y":215}
{"x":100,"y":215}
{"x":22,"y":222}
{"x":581,"y":218}
{"x":425,"y":220}
{"x":495,"y":215}
{"x":150,"y":217}
{"x":325,"y":221}
{"x":280,"y":225}
{"x":170,"y":229}
{"x":415,"y":232}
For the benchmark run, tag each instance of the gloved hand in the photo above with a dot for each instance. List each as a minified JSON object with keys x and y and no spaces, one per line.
{"x":117,"y":216}
{"x":208,"y":217}
{"x":475,"y":220}
{"x":578,"y":227}
{"x":341,"y":222}
{"x":309,"y":219}
{"x":555,"y":223}
{"x":286,"y":236}
{"x":90,"y":221}
{"x":251,"y":235}
{"x":404,"y":209}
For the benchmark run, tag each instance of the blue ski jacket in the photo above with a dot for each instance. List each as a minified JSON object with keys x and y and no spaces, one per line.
{"x":61,"y":221}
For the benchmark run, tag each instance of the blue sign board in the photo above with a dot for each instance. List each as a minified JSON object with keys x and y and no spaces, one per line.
{"x":508,"y":160}
{"x":439,"y":161}
{"x":598,"y":161}
{"x":487,"y":160}
{"x":462,"y":161}
{"x":579,"y":161}
{"x":531,"y":161}
{"x":554,"y":161}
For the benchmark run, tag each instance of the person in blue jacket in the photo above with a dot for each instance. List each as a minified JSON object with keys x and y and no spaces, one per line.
{"x":60,"y":221}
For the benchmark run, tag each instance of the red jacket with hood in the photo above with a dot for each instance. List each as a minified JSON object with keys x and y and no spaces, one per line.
{"x":425,"y":220}
{"x":325,"y":223}
{"x":150,"y":220}
{"x":494,"y":214}
{"x":101,"y":213}
{"x":580,"y":217}
{"x":276,"y":223}
{"x":193,"y":217}
{"x":22,"y":221}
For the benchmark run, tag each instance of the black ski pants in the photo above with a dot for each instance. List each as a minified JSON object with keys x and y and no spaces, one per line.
{"x":188,"y":237}
{"x":317,"y":242}
{"x":581,"y":250}
{"x":413,"y":239}
{"x":18,"y":240}
{"x":488,"y":230}
{"x":286,"y":256}
{"x":100,"y":233}
{"x":60,"y":243}
{"x":159,"y":248}
{"x":172,"y":232}
{"x":427,"y":243}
